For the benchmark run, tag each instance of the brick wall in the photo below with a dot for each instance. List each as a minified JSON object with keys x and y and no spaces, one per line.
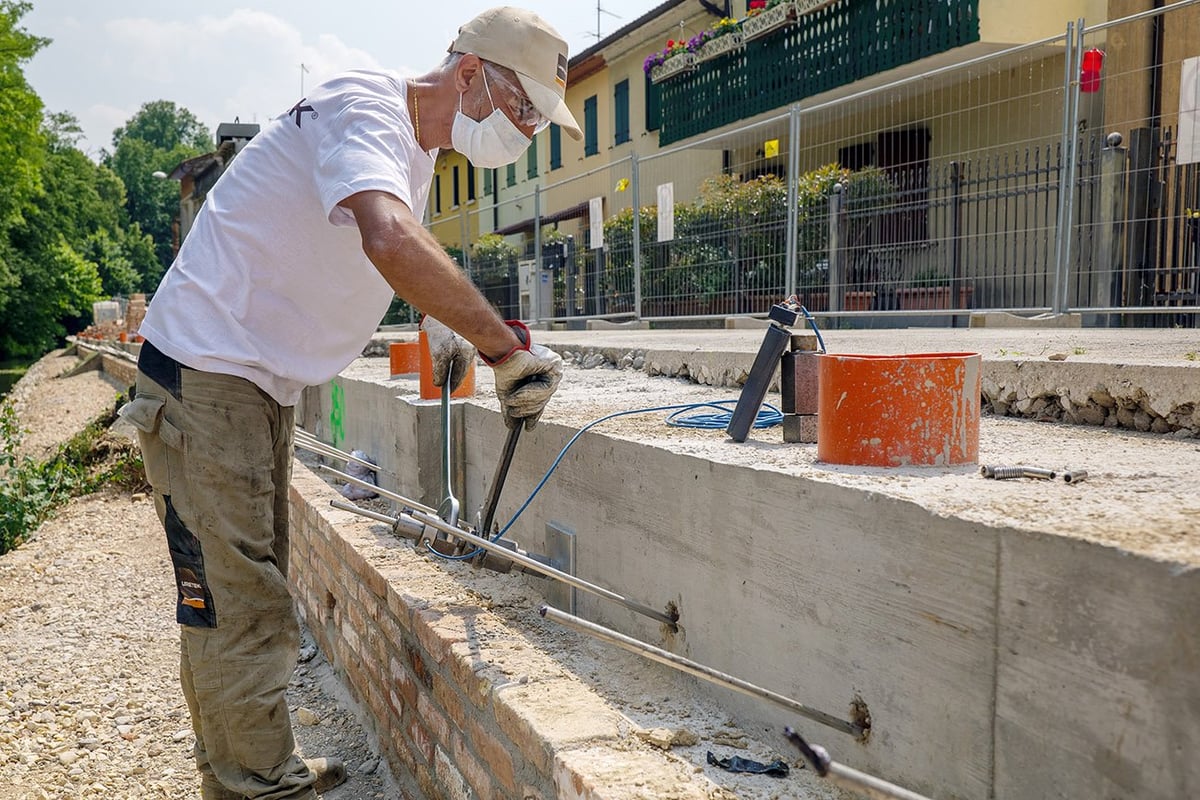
{"x":462,"y":705}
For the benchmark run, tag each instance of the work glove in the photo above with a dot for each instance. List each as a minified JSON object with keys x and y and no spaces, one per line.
{"x":450,"y":353}
{"x":526,"y":378}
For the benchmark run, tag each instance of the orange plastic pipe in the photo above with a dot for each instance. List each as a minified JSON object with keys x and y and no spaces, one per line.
{"x":899,"y":410}
{"x":431,"y":392}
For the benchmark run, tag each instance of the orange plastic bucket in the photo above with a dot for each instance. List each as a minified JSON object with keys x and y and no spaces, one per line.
{"x":431,"y":392}
{"x":404,"y":358}
{"x":904,"y":410}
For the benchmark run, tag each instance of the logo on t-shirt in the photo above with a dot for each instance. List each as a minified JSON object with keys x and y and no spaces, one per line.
{"x":300,"y":109}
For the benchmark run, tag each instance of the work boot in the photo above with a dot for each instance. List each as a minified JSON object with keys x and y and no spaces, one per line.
{"x":330,"y":772}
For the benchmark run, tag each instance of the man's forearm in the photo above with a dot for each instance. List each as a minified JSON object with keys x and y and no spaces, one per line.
{"x":420,"y":272}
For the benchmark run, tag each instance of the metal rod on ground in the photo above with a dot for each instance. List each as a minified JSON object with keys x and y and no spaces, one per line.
{"x":428,"y":516}
{"x":848,"y":777}
{"x":699,"y":670}
{"x":399,"y":498}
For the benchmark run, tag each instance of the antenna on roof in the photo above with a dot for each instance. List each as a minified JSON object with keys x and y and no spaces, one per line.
{"x":600,"y":11}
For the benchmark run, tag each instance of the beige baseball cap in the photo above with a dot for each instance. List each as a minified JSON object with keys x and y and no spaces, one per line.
{"x":526,"y":44}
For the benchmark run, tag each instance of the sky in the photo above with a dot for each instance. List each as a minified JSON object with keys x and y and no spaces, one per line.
{"x":224,"y":60}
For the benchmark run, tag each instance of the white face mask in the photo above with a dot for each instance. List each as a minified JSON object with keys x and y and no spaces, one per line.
{"x":491,"y":142}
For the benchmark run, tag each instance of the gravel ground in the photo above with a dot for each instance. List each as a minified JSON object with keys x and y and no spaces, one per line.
{"x":90,"y":704}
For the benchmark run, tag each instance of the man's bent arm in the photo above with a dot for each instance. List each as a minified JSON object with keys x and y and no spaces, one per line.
{"x":420,"y":272}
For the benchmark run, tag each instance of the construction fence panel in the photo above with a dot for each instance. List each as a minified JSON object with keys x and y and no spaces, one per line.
{"x":1136,"y":199}
{"x":949,"y":187}
{"x":584,"y":244}
{"x":713,"y":228}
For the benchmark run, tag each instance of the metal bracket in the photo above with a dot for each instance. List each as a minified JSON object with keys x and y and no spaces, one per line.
{"x":560,"y":547}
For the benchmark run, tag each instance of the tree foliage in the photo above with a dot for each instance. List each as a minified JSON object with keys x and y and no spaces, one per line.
{"x":156,"y":139}
{"x":66,"y":237}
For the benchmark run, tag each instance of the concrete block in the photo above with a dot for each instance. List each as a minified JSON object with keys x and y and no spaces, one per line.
{"x":1098,"y":686}
{"x":803,"y":342}
{"x":746,"y":323}
{"x":609,"y":325}
{"x":800,"y":428}
{"x":798,"y":383}
{"x":1003,"y":319}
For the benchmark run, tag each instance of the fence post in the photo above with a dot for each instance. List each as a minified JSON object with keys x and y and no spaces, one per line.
{"x":1066,"y":183}
{"x":634,"y":185}
{"x":1139,"y":272}
{"x":791,"y":245}
{"x":837,"y":252}
{"x":536,"y":294}
{"x":956,"y":179}
{"x":1107,"y":252}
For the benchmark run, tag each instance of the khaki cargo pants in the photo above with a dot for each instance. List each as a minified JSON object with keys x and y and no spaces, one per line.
{"x":218,"y":452}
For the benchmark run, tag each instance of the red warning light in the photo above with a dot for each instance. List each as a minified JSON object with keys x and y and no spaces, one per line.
{"x":1089,"y":73}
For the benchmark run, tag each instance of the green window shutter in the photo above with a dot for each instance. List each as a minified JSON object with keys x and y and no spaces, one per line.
{"x":488,"y":177}
{"x":591,"y":144}
{"x":621,"y":112}
{"x":531,"y":166}
{"x":510,"y":175}
{"x":555,"y":146}
{"x":653,"y":105}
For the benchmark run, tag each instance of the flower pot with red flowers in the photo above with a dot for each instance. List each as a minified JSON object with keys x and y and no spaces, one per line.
{"x":765,"y":16}
{"x":675,"y":59}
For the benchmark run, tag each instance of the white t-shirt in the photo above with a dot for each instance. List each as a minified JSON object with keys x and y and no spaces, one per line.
{"x":272,"y":284}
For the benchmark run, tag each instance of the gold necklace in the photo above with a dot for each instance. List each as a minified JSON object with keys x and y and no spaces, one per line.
{"x":416,"y":113}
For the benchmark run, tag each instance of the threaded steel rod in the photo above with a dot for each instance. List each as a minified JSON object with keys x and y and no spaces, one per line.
{"x":399,"y":498}
{"x":428,"y":516}
{"x":698,"y":670}
{"x":320,"y":448}
{"x":533,"y":565}
{"x":375,"y":515}
{"x":847,"y":777}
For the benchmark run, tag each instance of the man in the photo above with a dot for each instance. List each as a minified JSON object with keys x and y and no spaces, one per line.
{"x":284,"y":276}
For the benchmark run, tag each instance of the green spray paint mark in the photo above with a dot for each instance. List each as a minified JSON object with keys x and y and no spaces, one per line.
{"x":337,"y":403}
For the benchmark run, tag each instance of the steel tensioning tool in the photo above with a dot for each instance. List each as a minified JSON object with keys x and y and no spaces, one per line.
{"x":765,"y":364}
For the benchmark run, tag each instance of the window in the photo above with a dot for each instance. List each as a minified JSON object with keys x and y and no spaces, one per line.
{"x":555,"y":146}
{"x":591,"y":145}
{"x":510,"y":175}
{"x":489,"y":175}
{"x":621,"y":112}
{"x":437,"y":194}
{"x":470,"y":182}
{"x":531,"y":163}
{"x":653,"y":105}
{"x":454,"y":190}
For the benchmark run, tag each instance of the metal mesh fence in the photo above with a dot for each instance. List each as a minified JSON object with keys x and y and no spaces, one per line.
{"x":1045,"y":177}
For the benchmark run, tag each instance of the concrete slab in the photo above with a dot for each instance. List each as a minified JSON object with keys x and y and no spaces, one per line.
{"x":984,"y":624}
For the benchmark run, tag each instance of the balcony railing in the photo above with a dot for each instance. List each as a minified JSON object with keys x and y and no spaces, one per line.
{"x":833,"y":46}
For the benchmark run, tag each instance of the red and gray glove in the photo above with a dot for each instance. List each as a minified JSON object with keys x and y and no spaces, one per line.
{"x":526,"y":378}
{"x":451,"y":354}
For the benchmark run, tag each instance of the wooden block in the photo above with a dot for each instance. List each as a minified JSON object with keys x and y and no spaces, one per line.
{"x":800,"y":428}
